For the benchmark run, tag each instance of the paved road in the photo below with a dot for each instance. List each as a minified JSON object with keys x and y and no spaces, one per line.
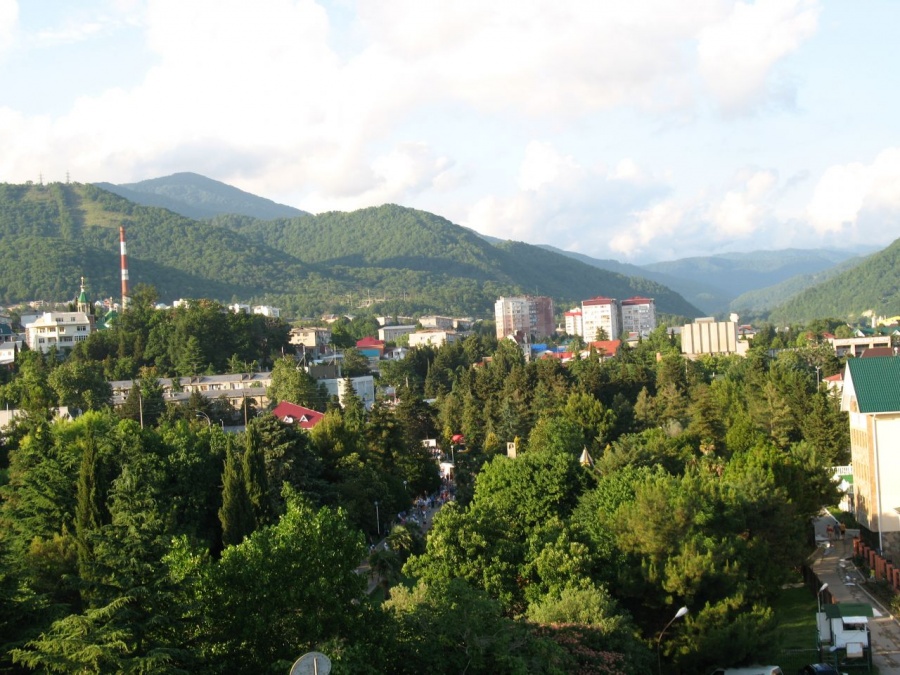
{"x":364,"y":565}
{"x":833,"y":564}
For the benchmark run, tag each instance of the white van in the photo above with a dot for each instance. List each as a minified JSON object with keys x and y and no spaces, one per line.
{"x":749,"y":670}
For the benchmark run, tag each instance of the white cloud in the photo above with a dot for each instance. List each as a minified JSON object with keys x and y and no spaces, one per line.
{"x":543,"y":165}
{"x":852,"y":195}
{"x":268,"y":97}
{"x":567,"y":204}
{"x":737,"y":55}
{"x":658,"y":221}
{"x":740,"y":212}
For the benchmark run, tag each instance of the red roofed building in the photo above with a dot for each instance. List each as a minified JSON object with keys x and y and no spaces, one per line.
{"x":372,"y":347}
{"x":604,"y":348}
{"x":291,"y":413}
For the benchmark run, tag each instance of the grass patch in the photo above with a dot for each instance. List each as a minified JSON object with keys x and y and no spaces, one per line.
{"x":795,"y":609}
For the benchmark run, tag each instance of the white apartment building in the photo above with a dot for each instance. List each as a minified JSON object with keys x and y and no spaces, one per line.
{"x":573,"y":324}
{"x":58,"y":329}
{"x":313,"y":339}
{"x":391,"y":333}
{"x":434,"y":338}
{"x":638,"y":316}
{"x":598,"y":313}
{"x":364,"y":386}
{"x":439,"y":322}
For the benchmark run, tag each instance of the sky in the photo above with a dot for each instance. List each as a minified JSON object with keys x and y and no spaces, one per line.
{"x":639,"y":131}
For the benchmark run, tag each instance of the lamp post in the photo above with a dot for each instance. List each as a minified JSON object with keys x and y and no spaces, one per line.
{"x":209,"y":420}
{"x":377,"y":518}
{"x":819,"y":595}
{"x":680,"y":613}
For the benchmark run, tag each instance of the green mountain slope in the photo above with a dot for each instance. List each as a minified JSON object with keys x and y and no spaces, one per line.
{"x":762,"y":300}
{"x":871,"y":286}
{"x":55,"y":233}
{"x":407,"y":260}
{"x":402,"y":241}
{"x":737,"y":273}
{"x":707,"y":297}
{"x":198,"y":197}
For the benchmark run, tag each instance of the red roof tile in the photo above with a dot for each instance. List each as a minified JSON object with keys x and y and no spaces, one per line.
{"x":291,"y":413}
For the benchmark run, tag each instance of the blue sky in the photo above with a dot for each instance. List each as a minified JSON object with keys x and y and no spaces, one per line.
{"x":640,"y":131}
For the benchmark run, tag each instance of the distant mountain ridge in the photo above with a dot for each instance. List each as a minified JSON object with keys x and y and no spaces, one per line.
{"x":870,"y":287}
{"x":705,"y":296}
{"x":733,"y":274}
{"x":713,"y":283}
{"x":407,"y":260}
{"x":763,"y":300}
{"x":239,"y":246}
{"x":198,"y":197}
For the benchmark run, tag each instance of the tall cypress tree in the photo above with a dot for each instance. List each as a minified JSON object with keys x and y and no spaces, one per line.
{"x":88,"y":508}
{"x":236,"y":514}
{"x":254,"y":466}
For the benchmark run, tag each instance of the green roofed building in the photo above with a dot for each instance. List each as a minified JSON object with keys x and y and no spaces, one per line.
{"x":871,"y":396}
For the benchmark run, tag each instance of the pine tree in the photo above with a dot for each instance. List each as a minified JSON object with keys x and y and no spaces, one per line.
{"x":236,"y":514}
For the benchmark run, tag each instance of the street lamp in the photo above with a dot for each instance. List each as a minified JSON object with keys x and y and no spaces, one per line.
{"x":819,"y":595}
{"x":680,"y":613}
{"x":377,"y":518}
{"x":208,"y":420}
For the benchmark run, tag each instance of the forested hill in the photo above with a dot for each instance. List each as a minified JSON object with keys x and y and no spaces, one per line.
{"x":410,"y":261}
{"x":411,"y":247}
{"x":707,"y":295}
{"x":195,"y":196}
{"x":871,"y":286}
{"x":761,"y":301}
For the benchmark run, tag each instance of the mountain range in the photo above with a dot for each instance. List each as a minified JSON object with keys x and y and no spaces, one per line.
{"x":401,"y":260}
{"x":193,"y":236}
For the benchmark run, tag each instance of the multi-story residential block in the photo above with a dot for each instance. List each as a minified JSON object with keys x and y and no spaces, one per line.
{"x":435,"y":338}
{"x":855,"y":346}
{"x":638,"y":316}
{"x":313,"y":340}
{"x":62,"y":330}
{"x":871,"y":396}
{"x":391,"y":333}
{"x":439,"y":322}
{"x":573,"y":324}
{"x":598,"y":313}
{"x":532,"y":315}
{"x":364,"y":386}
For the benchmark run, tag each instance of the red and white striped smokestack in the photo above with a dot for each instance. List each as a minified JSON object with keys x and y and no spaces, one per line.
{"x":124,"y":255}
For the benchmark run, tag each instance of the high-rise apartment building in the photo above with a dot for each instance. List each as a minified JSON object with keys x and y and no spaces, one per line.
{"x":638,"y":316}
{"x":598,"y":313}
{"x":533,"y":315}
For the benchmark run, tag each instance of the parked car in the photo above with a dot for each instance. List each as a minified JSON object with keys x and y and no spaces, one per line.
{"x":818,"y":669}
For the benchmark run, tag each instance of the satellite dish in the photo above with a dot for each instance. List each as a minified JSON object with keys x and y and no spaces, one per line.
{"x":313,"y":663}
